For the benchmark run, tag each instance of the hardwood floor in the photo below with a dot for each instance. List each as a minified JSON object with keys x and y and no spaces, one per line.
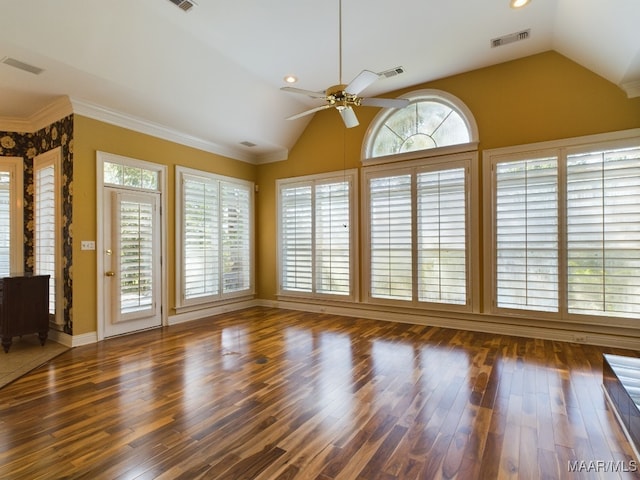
{"x":276,"y":394}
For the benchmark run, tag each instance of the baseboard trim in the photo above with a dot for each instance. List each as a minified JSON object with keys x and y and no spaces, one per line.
{"x":211,"y":311}
{"x":73,"y":340}
{"x":497,"y":325}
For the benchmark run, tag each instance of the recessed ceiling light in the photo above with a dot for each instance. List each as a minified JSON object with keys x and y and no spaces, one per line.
{"x":518,"y":3}
{"x":291,"y":79}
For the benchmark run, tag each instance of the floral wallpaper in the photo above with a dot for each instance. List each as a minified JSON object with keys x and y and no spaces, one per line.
{"x":28,"y":146}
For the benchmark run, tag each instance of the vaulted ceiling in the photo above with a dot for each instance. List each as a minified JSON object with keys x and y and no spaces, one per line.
{"x":213,"y":74}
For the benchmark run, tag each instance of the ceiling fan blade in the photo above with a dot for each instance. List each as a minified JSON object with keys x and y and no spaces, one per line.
{"x":301,"y":91}
{"x":309,"y":112}
{"x":349,"y":117}
{"x":384,"y":102}
{"x":362,"y":81}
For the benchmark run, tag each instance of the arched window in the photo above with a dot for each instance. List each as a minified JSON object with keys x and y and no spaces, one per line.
{"x":434,"y":119}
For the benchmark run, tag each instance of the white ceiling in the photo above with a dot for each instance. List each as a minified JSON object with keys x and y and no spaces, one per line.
{"x":213,"y":74}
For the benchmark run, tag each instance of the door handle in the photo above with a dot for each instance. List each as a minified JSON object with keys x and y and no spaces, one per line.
{"x":110,"y":274}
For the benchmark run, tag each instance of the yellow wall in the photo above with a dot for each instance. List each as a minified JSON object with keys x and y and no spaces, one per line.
{"x":539,"y":98}
{"x":92,"y":136}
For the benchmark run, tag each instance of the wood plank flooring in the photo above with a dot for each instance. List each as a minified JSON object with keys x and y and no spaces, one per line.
{"x":275,"y":394}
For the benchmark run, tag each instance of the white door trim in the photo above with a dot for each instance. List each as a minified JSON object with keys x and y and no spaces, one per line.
{"x":102,"y":157}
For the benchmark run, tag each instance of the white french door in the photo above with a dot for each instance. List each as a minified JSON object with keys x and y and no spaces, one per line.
{"x":131,"y":261}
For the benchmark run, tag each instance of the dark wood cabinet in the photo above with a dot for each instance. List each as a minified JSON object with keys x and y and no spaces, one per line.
{"x":24,"y":307}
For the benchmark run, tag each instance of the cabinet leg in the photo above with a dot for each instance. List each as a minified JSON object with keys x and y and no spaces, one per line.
{"x":6,"y":343}
{"x":43,"y":337}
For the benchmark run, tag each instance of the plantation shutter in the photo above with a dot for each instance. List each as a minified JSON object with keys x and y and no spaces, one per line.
{"x":45,"y":228}
{"x":297,"y":238}
{"x":201,"y":256}
{"x":527,"y":234}
{"x":136,"y":225}
{"x":332,"y":238}
{"x":442,"y":241}
{"x":235,"y":237}
{"x":603,"y":233}
{"x":5,"y":224}
{"x":391,"y":237}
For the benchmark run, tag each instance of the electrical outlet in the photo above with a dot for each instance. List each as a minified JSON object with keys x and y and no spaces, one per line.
{"x":87,"y":245}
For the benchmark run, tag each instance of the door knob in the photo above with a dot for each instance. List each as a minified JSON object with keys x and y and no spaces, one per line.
{"x":110,"y":274}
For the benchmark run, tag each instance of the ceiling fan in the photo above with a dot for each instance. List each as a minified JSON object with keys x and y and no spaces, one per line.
{"x":345,"y":97}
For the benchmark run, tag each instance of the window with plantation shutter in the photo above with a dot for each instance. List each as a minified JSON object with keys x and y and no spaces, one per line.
{"x":442,"y":240}
{"x":391,"y":241}
{"x":46,"y":232}
{"x":5,"y":223}
{"x":236,"y":237}
{"x":418,"y":242}
{"x":603,"y":233}
{"x":215,"y":239}
{"x":200,"y":231}
{"x":526,"y":235}
{"x":316,"y":242}
{"x":565,"y":237}
{"x":296,"y":226}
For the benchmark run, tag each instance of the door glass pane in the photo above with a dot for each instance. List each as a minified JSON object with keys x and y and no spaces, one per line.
{"x":136,"y":256}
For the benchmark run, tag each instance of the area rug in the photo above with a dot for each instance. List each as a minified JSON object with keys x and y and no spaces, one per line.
{"x":25,"y":354}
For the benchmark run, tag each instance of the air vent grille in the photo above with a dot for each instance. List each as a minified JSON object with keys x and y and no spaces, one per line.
{"x":22,"y":66}
{"x":184,"y":5}
{"x":392,"y":73}
{"x":512,"y":37}
{"x":247,"y":143}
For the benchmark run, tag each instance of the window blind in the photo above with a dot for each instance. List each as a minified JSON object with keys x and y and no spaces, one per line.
{"x":527,"y":234}
{"x":136,"y":256}
{"x":316,"y":235}
{"x":390,"y":217}
{"x":235,"y":237}
{"x":296,"y":226}
{"x":200,"y":233}
{"x":5,"y":224}
{"x":603,"y":233}
{"x":442,"y":265}
{"x":45,"y":228}
{"x":217,"y":237}
{"x":332,"y":238}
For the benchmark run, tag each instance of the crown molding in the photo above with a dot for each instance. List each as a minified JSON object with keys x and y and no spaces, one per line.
{"x":59,"y":108}
{"x":119,"y":119}
{"x":632,"y":89}
{"x":64,"y":106}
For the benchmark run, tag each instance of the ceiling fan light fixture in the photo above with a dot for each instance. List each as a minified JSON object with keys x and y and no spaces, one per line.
{"x":518,"y":3}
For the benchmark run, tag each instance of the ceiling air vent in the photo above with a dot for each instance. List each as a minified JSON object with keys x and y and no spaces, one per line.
{"x":392,"y":73}
{"x":184,"y":5}
{"x":512,"y":37}
{"x":22,"y":66}
{"x":247,"y":143}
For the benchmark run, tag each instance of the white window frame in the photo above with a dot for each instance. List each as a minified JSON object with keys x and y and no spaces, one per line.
{"x":52,"y":158}
{"x":15,"y":168}
{"x":351,"y":177}
{"x":431,"y":95}
{"x":468,"y":161}
{"x":562,"y":149}
{"x":183,"y":304}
